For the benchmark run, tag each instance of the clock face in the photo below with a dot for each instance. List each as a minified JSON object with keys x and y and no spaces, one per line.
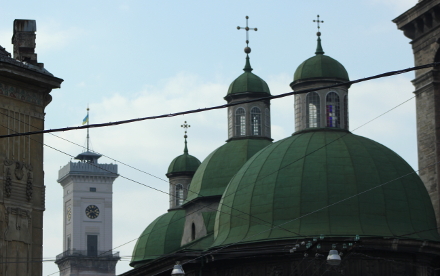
{"x":92,"y":211}
{"x":69,"y":213}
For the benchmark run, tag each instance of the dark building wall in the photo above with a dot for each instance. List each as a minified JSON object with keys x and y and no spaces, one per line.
{"x":422,"y":25}
{"x":24,"y":93}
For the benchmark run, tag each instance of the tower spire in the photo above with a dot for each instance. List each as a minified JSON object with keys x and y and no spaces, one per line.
{"x":319,"y":50}
{"x":88,"y":136}
{"x":185,"y":126}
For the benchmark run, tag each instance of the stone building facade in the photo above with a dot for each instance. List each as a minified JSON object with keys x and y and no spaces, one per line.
{"x":422,"y":25}
{"x":24,"y":93}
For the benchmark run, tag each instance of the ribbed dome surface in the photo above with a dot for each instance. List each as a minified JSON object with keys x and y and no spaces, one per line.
{"x":217,"y":169}
{"x":161,"y":237}
{"x":248,"y":82}
{"x":184,"y":163}
{"x":291,"y":182}
{"x":320,"y":66}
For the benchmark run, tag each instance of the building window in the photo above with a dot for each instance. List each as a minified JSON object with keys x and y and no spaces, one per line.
{"x":193,"y":231}
{"x":313,"y":107}
{"x":346,"y":111}
{"x":92,"y":245}
{"x":69,"y":241}
{"x":332,"y":110}
{"x":92,"y":189}
{"x":267,"y":122}
{"x":240,"y":122}
{"x":255,"y":121}
{"x":179,"y":194}
{"x":230,"y":126}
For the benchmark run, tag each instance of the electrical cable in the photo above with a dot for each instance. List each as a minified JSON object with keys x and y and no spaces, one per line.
{"x":387,"y":74}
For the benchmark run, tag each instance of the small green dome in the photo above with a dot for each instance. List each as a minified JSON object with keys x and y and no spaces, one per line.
{"x":184,"y":163}
{"x":217,"y":169}
{"x":248,"y":82}
{"x":278,"y":186}
{"x":320,"y":66}
{"x":162,"y":236}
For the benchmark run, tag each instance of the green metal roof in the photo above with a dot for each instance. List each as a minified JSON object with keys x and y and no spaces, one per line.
{"x":217,"y":169}
{"x":184,"y":162}
{"x":248,"y":82}
{"x":320,"y":66}
{"x":162,"y":236}
{"x":278,"y":185}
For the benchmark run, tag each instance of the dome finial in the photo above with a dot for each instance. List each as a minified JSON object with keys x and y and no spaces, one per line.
{"x":247,"y":49}
{"x":319,"y":50}
{"x":247,"y":66}
{"x":185,"y":126}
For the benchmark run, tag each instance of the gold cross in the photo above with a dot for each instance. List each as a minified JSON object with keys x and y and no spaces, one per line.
{"x":185,"y":126}
{"x":318,"y":21}
{"x":247,"y":30}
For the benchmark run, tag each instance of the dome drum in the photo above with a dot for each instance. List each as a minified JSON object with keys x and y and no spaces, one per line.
{"x":322,"y":108}
{"x":249,"y":120}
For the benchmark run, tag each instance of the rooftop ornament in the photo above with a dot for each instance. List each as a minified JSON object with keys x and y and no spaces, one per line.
{"x":247,"y":50}
{"x":178,"y":270}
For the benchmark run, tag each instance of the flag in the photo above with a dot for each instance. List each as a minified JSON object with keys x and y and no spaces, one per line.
{"x":86,"y":119}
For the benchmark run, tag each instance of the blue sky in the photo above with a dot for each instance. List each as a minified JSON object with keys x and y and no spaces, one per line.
{"x":129,"y":59}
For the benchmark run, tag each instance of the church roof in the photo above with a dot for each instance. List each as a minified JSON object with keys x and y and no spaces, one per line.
{"x":248,"y":82}
{"x":218,"y":168}
{"x":320,"y":66}
{"x":161,"y":237}
{"x":184,"y":163}
{"x":346,"y":185}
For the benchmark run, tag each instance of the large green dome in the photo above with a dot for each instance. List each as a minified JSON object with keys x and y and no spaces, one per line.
{"x":320,"y":66}
{"x":161,"y":237}
{"x":291,"y":182}
{"x":217,"y":169}
{"x":248,"y":82}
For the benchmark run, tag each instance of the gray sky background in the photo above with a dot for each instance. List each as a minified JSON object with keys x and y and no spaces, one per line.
{"x":129,"y":59}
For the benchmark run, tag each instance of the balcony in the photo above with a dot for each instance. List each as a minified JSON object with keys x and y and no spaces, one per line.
{"x":88,"y":254}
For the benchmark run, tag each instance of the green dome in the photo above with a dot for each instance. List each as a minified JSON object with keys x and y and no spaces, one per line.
{"x":277,"y":186}
{"x":162,"y":236}
{"x":217,"y":169}
{"x":184,"y":163}
{"x":248,"y":82}
{"x":320,"y":66}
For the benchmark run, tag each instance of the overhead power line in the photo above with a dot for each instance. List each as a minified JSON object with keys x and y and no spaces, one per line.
{"x":387,"y":74}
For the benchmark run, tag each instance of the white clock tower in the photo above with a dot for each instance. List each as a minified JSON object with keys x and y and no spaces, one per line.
{"x":87,"y":232}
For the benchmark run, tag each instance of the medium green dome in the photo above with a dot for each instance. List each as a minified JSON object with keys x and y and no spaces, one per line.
{"x":248,"y":82}
{"x":184,"y":163}
{"x":217,"y":169}
{"x":320,"y":66}
{"x":162,"y":236}
{"x":278,"y":186}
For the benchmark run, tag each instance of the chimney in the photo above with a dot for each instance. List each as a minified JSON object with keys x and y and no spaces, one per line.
{"x":24,"y":40}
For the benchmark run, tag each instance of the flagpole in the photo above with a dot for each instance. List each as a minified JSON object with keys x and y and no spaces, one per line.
{"x":88,"y":120}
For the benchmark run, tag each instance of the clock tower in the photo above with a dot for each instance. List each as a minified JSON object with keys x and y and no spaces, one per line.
{"x":87,"y":224}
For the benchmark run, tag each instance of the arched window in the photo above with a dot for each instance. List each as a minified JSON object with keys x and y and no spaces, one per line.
{"x":332,"y":110}
{"x":193,"y":231}
{"x":240,"y":122}
{"x":179,"y":195}
{"x":313,"y":107}
{"x":230,"y":126}
{"x":267,"y":122}
{"x":255,"y":121}
{"x":346,"y":111}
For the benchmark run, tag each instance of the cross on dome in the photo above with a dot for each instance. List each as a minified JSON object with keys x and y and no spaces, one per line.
{"x":318,"y":21}
{"x":247,"y":50}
